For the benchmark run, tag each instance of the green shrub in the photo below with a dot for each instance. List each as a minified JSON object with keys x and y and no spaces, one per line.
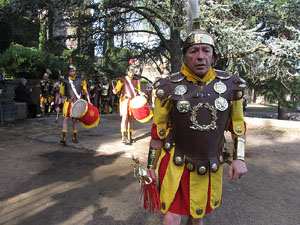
{"x":31,"y":63}
{"x":83,"y":63}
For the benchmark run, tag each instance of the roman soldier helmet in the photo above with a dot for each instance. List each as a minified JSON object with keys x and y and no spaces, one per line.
{"x":46,"y":75}
{"x":132,"y":66}
{"x":72,"y":67}
{"x":196,"y":34}
{"x":105,"y":77}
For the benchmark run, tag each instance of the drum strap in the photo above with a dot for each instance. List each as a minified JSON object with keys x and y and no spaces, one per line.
{"x":130,"y":85}
{"x":73,"y":88}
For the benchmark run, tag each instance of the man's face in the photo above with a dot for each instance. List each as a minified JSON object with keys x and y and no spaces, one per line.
{"x":130,"y":73}
{"x":72,"y":72}
{"x":199,"y":58}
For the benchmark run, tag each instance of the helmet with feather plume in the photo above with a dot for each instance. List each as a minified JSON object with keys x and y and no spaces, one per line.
{"x":196,"y":34}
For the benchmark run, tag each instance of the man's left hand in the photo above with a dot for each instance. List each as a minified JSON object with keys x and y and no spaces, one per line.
{"x":237,"y":169}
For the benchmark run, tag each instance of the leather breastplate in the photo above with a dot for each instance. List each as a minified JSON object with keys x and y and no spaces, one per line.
{"x":198,"y":120}
{"x":46,"y":88}
{"x":105,"y":89}
{"x":126,"y":90}
{"x":68,"y":89}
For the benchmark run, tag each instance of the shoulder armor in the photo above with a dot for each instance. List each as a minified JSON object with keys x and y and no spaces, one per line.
{"x":222,"y":75}
{"x":79,"y":78}
{"x":119,"y":79}
{"x":240,"y":81}
{"x":161,"y":88}
{"x":136,"y":78}
{"x":239,"y":85}
{"x":176,"y":77}
{"x":157,"y":82}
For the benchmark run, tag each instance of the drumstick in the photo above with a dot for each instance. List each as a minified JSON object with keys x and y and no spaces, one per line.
{"x":138,"y":91}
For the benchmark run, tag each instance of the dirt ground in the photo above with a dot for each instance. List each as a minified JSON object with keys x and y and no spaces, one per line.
{"x":43,"y":182}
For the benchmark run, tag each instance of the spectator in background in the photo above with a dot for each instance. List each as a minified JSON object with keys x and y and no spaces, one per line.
{"x":92,"y":90}
{"x":128,"y":87}
{"x":56,"y":98}
{"x":244,"y":104}
{"x":2,"y":79}
{"x":46,"y":86}
{"x":105,"y":95}
{"x":23,"y":94}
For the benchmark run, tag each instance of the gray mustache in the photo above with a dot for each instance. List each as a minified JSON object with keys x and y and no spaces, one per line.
{"x":202,"y":61}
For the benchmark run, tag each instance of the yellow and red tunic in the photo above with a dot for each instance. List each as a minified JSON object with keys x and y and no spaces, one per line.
{"x":46,"y":90}
{"x":67,"y":102}
{"x":182,"y":191}
{"x":124,"y":99}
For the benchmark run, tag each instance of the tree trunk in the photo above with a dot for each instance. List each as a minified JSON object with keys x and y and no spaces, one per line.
{"x":281,"y":112}
{"x":254,"y":95}
{"x":175,"y":39}
{"x":43,"y":33}
{"x":175,"y":51}
{"x":281,"y":100}
{"x":50,"y":25}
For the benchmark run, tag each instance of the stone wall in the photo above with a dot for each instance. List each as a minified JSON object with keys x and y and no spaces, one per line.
{"x":17,"y":110}
{"x":9,"y":90}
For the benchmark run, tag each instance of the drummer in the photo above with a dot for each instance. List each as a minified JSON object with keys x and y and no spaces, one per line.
{"x":71,"y":88}
{"x":129,"y":87}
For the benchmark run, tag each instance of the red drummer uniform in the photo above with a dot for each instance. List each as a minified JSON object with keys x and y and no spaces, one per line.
{"x":191,"y":115}
{"x":127,"y":92}
{"x":66,"y":90}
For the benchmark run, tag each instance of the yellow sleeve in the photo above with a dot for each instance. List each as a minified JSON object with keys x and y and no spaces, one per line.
{"x":62,"y":90}
{"x":237,"y":117}
{"x":84,"y":87}
{"x":119,"y":86}
{"x":138,"y":86}
{"x":161,"y":116}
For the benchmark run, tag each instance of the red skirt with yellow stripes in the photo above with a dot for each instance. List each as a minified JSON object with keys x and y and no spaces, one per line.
{"x":181,"y":203}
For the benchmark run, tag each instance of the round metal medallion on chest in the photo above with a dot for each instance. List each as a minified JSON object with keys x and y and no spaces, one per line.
{"x":220,"y":87}
{"x":180,"y":90}
{"x":221,"y":104}
{"x":183,"y":106}
{"x":160,"y":93}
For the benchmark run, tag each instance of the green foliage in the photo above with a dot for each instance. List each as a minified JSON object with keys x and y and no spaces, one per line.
{"x":161,"y":20}
{"x":284,"y":92}
{"x":25,"y":32}
{"x":54,"y":47}
{"x":272,"y":74}
{"x":31,"y":63}
{"x":16,"y":27}
{"x":4,"y":3}
{"x":84,"y":64}
{"x":116,"y":61}
{"x":5,"y":34}
{"x":294,"y":85}
{"x":236,"y":26}
{"x":67,"y":54}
